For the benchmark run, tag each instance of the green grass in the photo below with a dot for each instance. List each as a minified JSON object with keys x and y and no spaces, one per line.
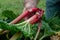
{"x":16,"y":5}
{"x":42,"y":4}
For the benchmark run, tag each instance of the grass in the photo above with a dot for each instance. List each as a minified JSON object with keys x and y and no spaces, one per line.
{"x":42,"y":4}
{"x":16,"y":5}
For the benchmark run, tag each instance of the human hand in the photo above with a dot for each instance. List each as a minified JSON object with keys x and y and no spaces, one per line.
{"x":29,"y":4}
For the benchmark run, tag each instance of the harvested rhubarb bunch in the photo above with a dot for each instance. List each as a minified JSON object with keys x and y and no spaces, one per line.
{"x":25,"y":27}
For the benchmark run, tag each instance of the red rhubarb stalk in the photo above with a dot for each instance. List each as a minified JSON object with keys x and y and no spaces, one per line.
{"x":35,"y":17}
{"x":24,"y":14}
{"x":20,"y":17}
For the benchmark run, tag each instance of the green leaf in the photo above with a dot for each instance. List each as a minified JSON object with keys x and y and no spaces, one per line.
{"x":24,"y":27}
{"x":9,"y":14}
{"x":55,"y":23}
{"x":7,"y":26}
{"x":47,"y":30}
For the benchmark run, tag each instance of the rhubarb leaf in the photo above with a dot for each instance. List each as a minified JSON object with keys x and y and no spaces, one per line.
{"x":25,"y":28}
{"x":9,"y":14}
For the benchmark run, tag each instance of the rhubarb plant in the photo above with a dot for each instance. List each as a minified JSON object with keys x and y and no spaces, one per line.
{"x":28,"y":29}
{"x":24,"y":27}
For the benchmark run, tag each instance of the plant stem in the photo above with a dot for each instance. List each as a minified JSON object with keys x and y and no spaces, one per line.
{"x":39,"y":26}
{"x":42,"y":37}
{"x":15,"y":36}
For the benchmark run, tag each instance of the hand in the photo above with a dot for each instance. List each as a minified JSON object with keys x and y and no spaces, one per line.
{"x":29,"y":4}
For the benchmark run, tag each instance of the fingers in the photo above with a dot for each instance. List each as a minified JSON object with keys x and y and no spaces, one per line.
{"x":25,"y":10}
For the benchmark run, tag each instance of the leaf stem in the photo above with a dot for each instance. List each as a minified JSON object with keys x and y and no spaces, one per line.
{"x":39,"y":26}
